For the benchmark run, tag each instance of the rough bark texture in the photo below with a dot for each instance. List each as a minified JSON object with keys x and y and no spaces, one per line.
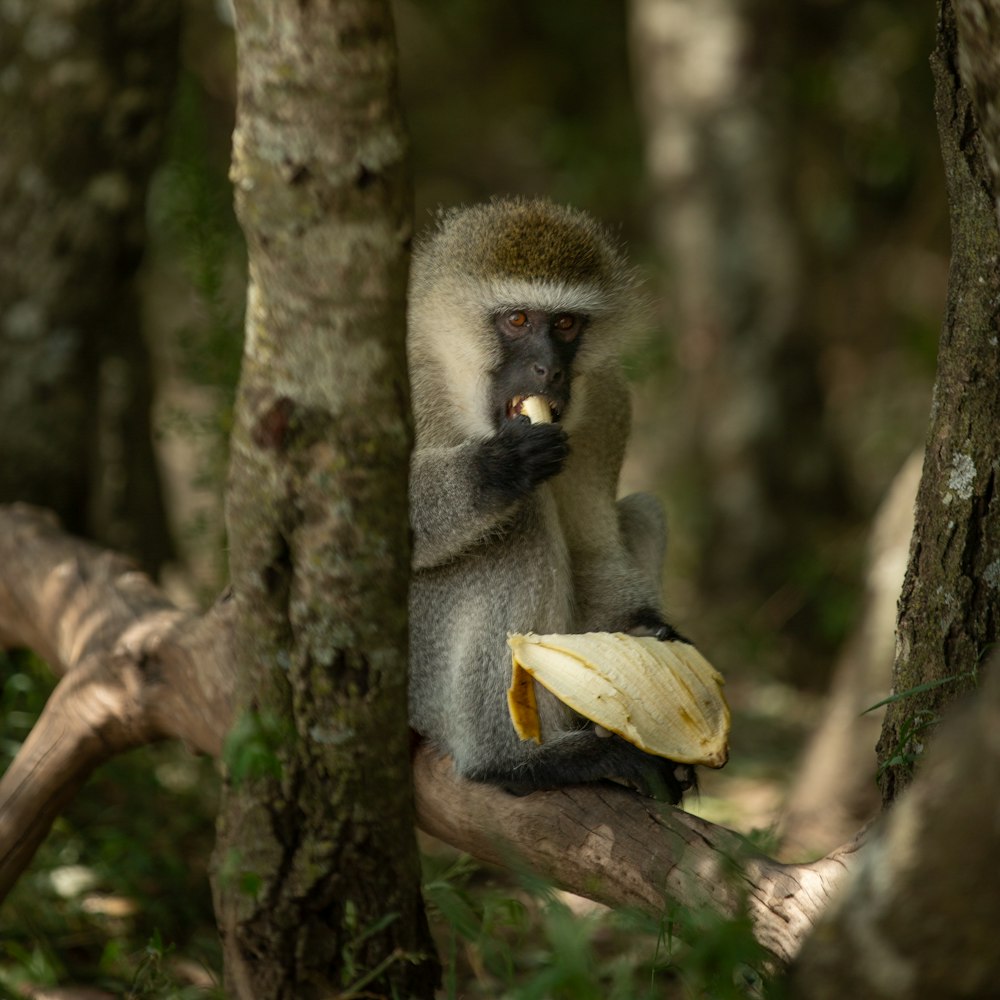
{"x":628,"y":851}
{"x":918,"y":916}
{"x":317,"y":877}
{"x":135,"y":668}
{"x":84,"y":92}
{"x":768,"y":475}
{"x":978,"y":23}
{"x":948,"y":616}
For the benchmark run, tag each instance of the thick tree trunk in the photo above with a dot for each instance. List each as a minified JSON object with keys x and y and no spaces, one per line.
{"x":948,"y":618}
{"x":84,"y":101}
{"x":317,"y":877}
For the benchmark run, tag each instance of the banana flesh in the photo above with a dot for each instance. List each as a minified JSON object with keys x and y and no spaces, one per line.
{"x":537,"y":410}
{"x":664,"y":697}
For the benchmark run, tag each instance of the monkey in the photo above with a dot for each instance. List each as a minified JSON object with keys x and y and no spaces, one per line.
{"x":516,"y":525}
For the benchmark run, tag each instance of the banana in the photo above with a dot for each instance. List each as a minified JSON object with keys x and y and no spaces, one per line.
{"x":537,"y":410}
{"x":664,"y":697}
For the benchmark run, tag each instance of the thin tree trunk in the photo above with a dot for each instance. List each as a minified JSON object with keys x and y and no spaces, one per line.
{"x":316,"y":875}
{"x":746,"y":399}
{"x":948,"y":617}
{"x":85,"y":92}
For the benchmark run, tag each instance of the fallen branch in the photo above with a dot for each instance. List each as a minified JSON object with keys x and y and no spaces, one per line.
{"x":134,"y":669}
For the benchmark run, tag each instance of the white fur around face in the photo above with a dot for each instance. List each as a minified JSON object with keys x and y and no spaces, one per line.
{"x":448,"y":345}
{"x":452,"y":333}
{"x":552,"y":296}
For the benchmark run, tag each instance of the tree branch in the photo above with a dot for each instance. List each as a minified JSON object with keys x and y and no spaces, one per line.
{"x":133,"y":667}
{"x":136,"y":669}
{"x":613,"y":846}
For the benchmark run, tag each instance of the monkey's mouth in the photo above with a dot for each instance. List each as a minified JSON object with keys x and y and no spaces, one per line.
{"x":538,"y":409}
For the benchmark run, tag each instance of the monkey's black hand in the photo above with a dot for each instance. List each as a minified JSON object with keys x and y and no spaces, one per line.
{"x":665,"y":781}
{"x":650,"y":623}
{"x":520,"y":456}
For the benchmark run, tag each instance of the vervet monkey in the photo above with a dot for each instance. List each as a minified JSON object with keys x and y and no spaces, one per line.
{"x":516,"y":524}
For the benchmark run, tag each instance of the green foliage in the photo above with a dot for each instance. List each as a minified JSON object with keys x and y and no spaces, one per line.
{"x":123,"y":872}
{"x":526,"y":943}
{"x":920,"y":689}
{"x":154,"y":978}
{"x":913,"y":730}
{"x":354,"y":977}
{"x":191,"y":213}
{"x":252,"y":749}
{"x":915,"y":725}
{"x":197,"y":292}
{"x":25,"y":685}
{"x":722,"y":957}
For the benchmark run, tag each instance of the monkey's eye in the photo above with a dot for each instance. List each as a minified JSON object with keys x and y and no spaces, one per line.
{"x":566,"y":325}
{"x":518,"y":318}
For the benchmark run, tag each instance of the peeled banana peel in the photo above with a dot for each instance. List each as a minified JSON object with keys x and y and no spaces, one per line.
{"x":664,"y":697}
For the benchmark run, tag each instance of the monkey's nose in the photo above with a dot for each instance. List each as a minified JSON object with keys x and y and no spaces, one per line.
{"x":551,"y":376}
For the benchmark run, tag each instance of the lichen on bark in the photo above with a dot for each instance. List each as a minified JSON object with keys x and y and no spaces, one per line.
{"x":323,"y":833}
{"x":948,"y":618}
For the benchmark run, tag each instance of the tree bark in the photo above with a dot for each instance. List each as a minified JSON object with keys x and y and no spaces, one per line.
{"x":918,"y":916}
{"x":613,"y":846}
{"x":316,"y":879}
{"x":85,"y":92}
{"x":948,"y":617}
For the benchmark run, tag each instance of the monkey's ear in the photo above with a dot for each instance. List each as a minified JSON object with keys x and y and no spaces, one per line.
{"x":664,"y":697}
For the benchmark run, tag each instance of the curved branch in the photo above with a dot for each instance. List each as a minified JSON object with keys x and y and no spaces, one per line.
{"x":136,"y":669}
{"x":612,"y":846}
{"x":133,"y":667}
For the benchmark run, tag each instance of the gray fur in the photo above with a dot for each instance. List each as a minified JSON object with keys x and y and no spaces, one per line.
{"x":567,"y":557}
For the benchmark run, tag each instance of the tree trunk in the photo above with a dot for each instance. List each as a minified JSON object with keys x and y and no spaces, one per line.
{"x":918,"y":916}
{"x":84,"y":98}
{"x":948,"y":617}
{"x":746,"y":400}
{"x":317,"y":876}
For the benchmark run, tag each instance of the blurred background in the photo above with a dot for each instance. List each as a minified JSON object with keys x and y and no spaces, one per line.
{"x":774,"y":169}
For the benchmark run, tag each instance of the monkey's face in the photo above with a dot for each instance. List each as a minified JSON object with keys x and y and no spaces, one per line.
{"x":536,"y":349}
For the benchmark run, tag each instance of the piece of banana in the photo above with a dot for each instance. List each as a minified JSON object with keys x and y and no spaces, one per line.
{"x":537,"y":410}
{"x":664,"y":697}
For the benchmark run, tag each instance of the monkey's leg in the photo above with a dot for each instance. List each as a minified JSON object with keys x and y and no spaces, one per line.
{"x":643,"y":527}
{"x":582,"y":757}
{"x":644,"y":532}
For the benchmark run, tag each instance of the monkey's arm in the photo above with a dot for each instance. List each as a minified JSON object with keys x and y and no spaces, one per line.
{"x":463,"y":494}
{"x":617,"y":547}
